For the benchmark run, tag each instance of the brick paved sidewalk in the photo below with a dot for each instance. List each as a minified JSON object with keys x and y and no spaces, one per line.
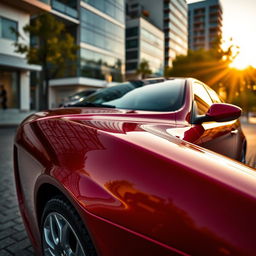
{"x":13,"y":237}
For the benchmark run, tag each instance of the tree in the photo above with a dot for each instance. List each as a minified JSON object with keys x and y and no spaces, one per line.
{"x":55,"y":50}
{"x":144,"y":69}
{"x":208,"y":66}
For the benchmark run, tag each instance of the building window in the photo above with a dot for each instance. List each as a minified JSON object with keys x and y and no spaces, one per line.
{"x":100,"y":32}
{"x":6,"y":28}
{"x":132,"y":55}
{"x":113,"y":8}
{"x":131,"y":32}
{"x":132,"y":43}
{"x":97,"y":65}
{"x":131,"y":66}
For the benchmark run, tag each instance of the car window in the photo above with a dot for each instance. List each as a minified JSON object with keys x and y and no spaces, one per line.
{"x":214,"y":96}
{"x":161,"y":96}
{"x":202,"y":100}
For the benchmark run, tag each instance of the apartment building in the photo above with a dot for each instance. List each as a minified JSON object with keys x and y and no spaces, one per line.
{"x":98,"y":28}
{"x":144,"y":41}
{"x":176,"y":29}
{"x":14,"y":69}
{"x":205,"y":24}
{"x":169,"y":16}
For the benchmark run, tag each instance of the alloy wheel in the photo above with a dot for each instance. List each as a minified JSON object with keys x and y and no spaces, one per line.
{"x":59,"y":238}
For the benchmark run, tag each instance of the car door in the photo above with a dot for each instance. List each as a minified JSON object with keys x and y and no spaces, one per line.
{"x":220,"y":137}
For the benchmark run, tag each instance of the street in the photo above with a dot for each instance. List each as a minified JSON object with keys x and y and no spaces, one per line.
{"x":13,"y":238}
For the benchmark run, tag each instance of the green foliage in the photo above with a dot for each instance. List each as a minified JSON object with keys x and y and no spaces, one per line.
{"x":205,"y":65}
{"x":144,"y":69}
{"x":55,"y":49}
{"x":199,"y":64}
{"x":246,"y":100}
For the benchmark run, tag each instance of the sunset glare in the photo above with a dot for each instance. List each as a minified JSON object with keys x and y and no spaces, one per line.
{"x":239,"y":22}
{"x":243,"y":61}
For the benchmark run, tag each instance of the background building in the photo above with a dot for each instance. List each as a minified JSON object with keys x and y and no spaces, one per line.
{"x":170,"y":16}
{"x":175,"y":28}
{"x":14,"y":69}
{"x":205,"y":24}
{"x":144,"y":41}
{"x":98,"y":27}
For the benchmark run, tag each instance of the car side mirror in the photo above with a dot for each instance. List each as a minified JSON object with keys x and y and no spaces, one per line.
{"x":220,"y":112}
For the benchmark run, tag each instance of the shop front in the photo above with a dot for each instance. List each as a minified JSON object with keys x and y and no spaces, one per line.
{"x":15,"y":78}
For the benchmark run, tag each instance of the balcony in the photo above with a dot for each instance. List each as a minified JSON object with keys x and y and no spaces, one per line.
{"x":199,"y":13}
{"x":200,"y":37}
{"x":215,"y":11}
{"x":198,"y":28}
{"x":199,"y":22}
{"x":30,"y":6}
{"x":65,"y":9}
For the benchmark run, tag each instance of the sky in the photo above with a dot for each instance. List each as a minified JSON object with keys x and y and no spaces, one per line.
{"x":239,"y":22}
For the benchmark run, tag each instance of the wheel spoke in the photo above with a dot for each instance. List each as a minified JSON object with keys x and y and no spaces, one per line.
{"x":64,"y":235}
{"x":50,"y":252}
{"x":48,"y":238}
{"x":69,"y":252}
{"x":59,"y":236}
{"x":53,"y":230}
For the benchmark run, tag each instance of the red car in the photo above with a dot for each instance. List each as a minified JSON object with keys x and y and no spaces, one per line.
{"x":127,"y":172}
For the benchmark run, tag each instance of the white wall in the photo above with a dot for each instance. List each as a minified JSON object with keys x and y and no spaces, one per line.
{"x":24,"y":91}
{"x":6,"y":45}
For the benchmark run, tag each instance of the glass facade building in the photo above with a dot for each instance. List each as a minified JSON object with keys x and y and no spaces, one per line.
{"x":170,"y":16}
{"x":113,"y":8}
{"x":99,"y":29}
{"x":102,"y":27}
{"x":144,"y":41}
{"x":100,"y":32}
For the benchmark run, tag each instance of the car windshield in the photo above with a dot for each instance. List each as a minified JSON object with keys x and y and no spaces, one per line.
{"x":162,"y":96}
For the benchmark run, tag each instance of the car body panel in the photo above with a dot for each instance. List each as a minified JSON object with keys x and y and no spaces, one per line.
{"x":133,"y":181}
{"x":140,"y":181}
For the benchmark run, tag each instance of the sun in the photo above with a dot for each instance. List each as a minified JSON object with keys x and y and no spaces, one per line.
{"x":240,"y":62}
{"x":244,"y":59}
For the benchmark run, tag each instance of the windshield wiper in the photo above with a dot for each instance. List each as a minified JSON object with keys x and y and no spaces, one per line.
{"x":90,"y":104}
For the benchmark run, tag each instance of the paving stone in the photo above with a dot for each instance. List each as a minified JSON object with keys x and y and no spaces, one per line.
{"x":13,"y":237}
{"x":19,"y":235}
{"x":6,"y":242}
{"x":7,"y":232}
{"x":20,"y":246}
{"x":8,"y":224}
{"x":4,"y":253}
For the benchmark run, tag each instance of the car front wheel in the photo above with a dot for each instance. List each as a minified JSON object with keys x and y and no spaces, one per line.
{"x":62,"y":231}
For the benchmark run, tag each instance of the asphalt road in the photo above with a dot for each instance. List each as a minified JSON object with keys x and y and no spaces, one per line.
{"x":13,"y":238}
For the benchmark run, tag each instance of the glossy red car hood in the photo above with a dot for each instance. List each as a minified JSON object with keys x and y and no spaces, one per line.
{"x":123,"y":121}
{"x":107,"y":114}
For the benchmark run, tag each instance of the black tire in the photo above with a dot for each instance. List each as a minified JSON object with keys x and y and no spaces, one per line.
{"x":60,"y":206}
